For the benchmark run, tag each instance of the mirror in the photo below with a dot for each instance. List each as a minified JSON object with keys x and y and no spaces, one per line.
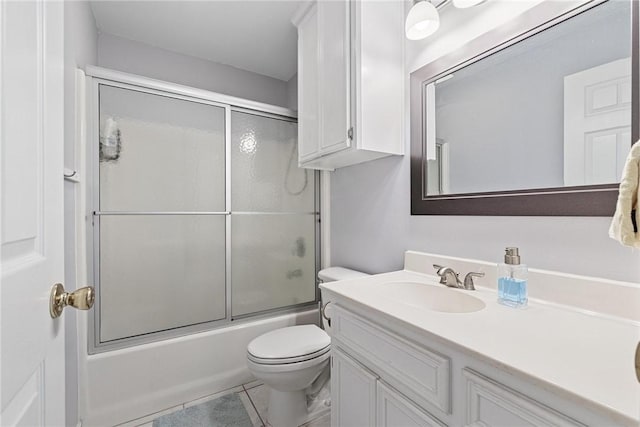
{"x":539,"y":124}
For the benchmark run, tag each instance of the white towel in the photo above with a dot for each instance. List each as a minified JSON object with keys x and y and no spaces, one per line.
{"x":622,"y":227}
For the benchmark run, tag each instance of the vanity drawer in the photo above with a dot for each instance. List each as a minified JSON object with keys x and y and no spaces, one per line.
{"x":419,"y":373}
{"x":492,"y":404}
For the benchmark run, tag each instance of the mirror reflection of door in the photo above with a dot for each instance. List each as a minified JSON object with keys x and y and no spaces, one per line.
{"x":437,"y":175}
{"x":597,"y":123}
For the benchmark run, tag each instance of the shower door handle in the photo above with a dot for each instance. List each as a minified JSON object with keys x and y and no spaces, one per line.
{"x":82,"y":299}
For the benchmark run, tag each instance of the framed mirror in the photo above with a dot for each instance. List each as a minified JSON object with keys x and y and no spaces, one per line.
{"x":534,"y":118}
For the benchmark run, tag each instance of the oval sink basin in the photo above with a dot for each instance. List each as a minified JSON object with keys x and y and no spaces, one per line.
{"x":430,"y":297}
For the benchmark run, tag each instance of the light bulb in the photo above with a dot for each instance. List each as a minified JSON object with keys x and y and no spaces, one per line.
{"x":422,"y":21}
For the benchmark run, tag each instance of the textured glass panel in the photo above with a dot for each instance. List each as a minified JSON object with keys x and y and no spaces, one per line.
{"x":264,"y":166}
{"x":159,"y":153}
{"x":273,"y":261}
{"x":160,"y":272}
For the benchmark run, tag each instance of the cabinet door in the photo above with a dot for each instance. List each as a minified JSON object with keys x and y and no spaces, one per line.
{"x":334,"y":67}
{"x":492,"y":404}
{"x":353,"y":392}
{"x":308,"y":103}
{"x":394,"y":410}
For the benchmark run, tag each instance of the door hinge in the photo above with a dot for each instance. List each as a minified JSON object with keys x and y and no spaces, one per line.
{"x":350,"y":133}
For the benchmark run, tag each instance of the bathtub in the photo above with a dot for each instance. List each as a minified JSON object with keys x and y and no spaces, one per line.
{"x":123,"y":385}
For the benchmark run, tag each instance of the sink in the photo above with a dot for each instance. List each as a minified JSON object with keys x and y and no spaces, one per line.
{"x":431,"y":297}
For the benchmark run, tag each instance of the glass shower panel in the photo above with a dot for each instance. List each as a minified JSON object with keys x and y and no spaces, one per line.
{"x":160,"y":272}
{"x":159,"y":153}
{"x":162,"y":260}
{"x":265,"y":175}
{"x":273,"y":217}
{"x":272,"y":262}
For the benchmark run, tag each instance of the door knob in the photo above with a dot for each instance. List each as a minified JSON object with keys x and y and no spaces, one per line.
{"x":82,"y":299}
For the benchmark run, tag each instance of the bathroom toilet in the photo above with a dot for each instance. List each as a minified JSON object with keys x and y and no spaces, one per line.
{"x":294,"y":362}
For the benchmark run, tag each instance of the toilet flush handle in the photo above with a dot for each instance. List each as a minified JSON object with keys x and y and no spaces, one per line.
{"x":324,"y":312}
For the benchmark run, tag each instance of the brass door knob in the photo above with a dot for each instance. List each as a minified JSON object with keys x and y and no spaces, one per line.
{"x":82,"y":299}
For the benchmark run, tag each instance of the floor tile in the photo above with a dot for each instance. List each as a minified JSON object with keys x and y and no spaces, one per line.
{"x":143,"y":421}
{"x":323,"y":421}
{"x":203,"y":399}
{"x":253,"y":384}
{"x":225,"y":411}
{"x":251,"y":410}
{"x":260,"y":398}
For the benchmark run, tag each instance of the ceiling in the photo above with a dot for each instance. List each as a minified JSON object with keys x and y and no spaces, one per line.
{"x":254,"y":35}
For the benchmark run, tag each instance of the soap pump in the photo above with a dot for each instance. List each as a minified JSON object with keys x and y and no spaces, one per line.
{"x":512,"y":280}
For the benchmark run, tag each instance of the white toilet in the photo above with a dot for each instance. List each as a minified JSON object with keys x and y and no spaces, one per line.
{"x":294,"y":362}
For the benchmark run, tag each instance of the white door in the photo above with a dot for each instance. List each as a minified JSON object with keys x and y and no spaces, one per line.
{"x":597,"y":123}
{"x":31,"y":206}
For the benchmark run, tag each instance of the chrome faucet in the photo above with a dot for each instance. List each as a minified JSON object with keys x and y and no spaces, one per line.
{"x":450,"y":278}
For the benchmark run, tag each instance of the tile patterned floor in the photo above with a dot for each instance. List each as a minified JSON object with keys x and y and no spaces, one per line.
{"x":254,"y":396}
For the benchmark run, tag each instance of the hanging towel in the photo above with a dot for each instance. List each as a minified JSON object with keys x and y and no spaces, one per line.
{"x":624,"y":226}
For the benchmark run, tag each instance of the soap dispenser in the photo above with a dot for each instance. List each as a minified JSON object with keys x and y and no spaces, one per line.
{"x":512,"y":280}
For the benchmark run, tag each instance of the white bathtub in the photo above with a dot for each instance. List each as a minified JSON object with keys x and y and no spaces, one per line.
{"x":122,"y":385}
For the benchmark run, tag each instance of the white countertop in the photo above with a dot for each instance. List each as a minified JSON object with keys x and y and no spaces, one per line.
{"x":588,"y":356}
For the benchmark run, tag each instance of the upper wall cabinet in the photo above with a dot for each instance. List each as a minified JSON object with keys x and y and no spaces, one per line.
{"x":350,"y":82}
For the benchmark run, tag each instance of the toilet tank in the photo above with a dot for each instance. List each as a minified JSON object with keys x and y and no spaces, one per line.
{"x":334,"y":274}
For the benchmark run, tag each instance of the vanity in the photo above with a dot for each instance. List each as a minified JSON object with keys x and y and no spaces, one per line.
{"x":408,"y":351}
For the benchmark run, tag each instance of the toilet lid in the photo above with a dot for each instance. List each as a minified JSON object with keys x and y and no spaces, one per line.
{"x":290,"y":342}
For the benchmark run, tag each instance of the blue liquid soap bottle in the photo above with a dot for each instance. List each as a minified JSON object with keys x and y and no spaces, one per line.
{"x":512,"y":280}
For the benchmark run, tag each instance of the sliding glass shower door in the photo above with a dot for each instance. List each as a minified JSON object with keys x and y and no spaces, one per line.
{"x":161,"y":213}
{"x":273,"y":217}
{"x":201,"y":216}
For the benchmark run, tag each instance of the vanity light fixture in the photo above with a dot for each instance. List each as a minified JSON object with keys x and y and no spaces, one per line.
{"x":464,"y":4}
{"x":422,"y":20}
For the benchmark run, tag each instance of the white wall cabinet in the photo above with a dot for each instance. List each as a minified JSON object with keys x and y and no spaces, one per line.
{"x":350,"y":82}
{"x":385,"y":376}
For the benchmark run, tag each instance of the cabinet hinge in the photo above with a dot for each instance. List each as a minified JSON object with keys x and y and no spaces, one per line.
{"x":350,"y":133}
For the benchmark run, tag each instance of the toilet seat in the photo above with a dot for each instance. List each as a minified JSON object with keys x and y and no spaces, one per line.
{"x":293,"y":344}
{"x":288,"y":360}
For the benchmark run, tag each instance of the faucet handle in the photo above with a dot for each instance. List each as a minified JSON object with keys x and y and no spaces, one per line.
{"x":468,"y":280}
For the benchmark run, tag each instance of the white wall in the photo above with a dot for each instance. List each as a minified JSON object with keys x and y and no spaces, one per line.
{"x":138,"y":58}
{"x":292,"y":92}
{"x":371,"y":225}
{"x":80,"y":49}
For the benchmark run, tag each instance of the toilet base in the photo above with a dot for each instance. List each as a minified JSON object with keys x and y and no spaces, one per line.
{"x":287,"y":408}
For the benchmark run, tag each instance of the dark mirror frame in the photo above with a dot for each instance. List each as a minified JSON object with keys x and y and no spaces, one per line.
{"x":588,"y":200}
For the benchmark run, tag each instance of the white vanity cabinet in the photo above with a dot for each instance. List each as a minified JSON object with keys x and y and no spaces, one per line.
{"x":361,"y":398}
{"x":350,"y":82}
{"x":383,"y":376}
{"x":353,"y":389}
